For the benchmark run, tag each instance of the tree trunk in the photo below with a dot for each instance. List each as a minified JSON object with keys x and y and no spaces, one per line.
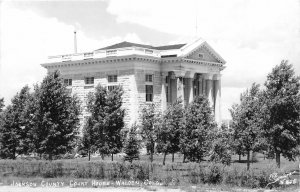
{"x":239,"y":157}
{"x":172,"y":157}
{"x":50,"y":156}
{"x":253,"y":157}
{"x":183,"y":158}
{"x":112,"y":157}
{"x":164,"y":161}
{"x":102,"y":156}
{"x":151,"y":156}
{"x":248,"y":160}
{"x":151,"y":152}
{"x":278,"y":159}
{"x":89,"y":155}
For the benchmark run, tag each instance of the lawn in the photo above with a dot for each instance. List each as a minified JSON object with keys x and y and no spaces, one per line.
{"x":260,"y":162}
{"x":172,"y":174}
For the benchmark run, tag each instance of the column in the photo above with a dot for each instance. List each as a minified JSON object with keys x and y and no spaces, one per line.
{"x":180,"y":91}
{"x":203,"y":85}
{"x":190,"y":78}
{"x":179,"y":85}
{"x":200,"y":84}
{"x":163,"y":91}
{"x":209,"y":88}
{"x":173,"y":87}
{"x":169,"y":88}
{"x":217,"y":107}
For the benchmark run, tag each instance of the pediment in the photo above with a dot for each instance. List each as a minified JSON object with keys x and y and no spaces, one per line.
{"x":202,"y":51}
{"x":202,"y":54}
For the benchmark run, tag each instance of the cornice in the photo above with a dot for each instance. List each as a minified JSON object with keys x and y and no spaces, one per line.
{"x":128,"y":59}
{"x":206,"y":63}
{"x":101,"y":60}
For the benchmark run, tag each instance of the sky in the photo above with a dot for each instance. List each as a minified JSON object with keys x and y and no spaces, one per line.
{"x":252,"y":36}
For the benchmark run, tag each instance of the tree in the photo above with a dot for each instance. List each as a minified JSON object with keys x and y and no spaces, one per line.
{"x":56,"y":117}
{"x":12,"y":133}
{"x":108,"y":115}
{"x":150,"y":120}
{"x":1,"y":104}
{"x":132,"y":145}
{"x":281,"y":112}
{"x":196,"y":137}
{"x":221,"y":146}
{"x":115,"y":119}
{"x":88,"y":139}
{"x":246,"y":121}
{"x":169,"y":131}
{"x":30,"y":128}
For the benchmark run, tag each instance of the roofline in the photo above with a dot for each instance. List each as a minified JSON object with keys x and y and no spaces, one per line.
{"x":127,"y":58}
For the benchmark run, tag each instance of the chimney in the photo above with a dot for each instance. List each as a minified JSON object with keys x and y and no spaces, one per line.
{"x":75,"y":42}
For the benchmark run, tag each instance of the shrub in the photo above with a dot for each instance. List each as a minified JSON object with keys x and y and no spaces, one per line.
{"x":213,"y":173}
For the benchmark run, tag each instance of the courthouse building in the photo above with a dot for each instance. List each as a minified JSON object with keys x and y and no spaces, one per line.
{"x":148,"y":74}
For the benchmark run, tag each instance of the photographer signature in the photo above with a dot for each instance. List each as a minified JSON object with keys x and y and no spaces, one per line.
{"x":284,"y":179}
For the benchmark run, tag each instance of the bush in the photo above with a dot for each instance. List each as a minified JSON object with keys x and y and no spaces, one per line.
{"x":213,"y":173}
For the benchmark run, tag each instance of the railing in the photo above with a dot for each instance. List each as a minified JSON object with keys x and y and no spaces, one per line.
{"x":103,"y":54}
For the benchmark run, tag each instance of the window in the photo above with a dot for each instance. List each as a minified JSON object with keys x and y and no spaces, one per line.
{"x":201,"y":56}
{"x":89,"y":80}
{"x":149,"y":93}
{"x":111,"y":87}
{"x":149,"y":78}
{"x":112,"y":78}
{"x":68,"y":82}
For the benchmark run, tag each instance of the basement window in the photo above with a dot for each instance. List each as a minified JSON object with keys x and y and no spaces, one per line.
{"x":111,"y":87}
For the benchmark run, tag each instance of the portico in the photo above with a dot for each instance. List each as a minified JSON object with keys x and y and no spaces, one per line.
{"x":186,"y":85}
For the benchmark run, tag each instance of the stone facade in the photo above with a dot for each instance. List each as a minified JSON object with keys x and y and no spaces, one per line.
{"x":157,"y":74}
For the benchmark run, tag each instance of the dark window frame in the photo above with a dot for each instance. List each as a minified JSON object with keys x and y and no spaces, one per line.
{"x":112,"y":78}
{"x":89,"y":80}
{"x":111,"y":87}
{"x":149,"y":93}
{"x":149,"y":78}
{"x":68,"y":82}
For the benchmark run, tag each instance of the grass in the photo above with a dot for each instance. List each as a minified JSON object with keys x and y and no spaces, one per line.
{"x":172,"y":174}
{"x":158,"y":159}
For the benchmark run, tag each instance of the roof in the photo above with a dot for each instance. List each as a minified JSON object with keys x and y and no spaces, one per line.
{"x":168,"y":47}
{"x":125,"y":44}
{"x":129,"y":44}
